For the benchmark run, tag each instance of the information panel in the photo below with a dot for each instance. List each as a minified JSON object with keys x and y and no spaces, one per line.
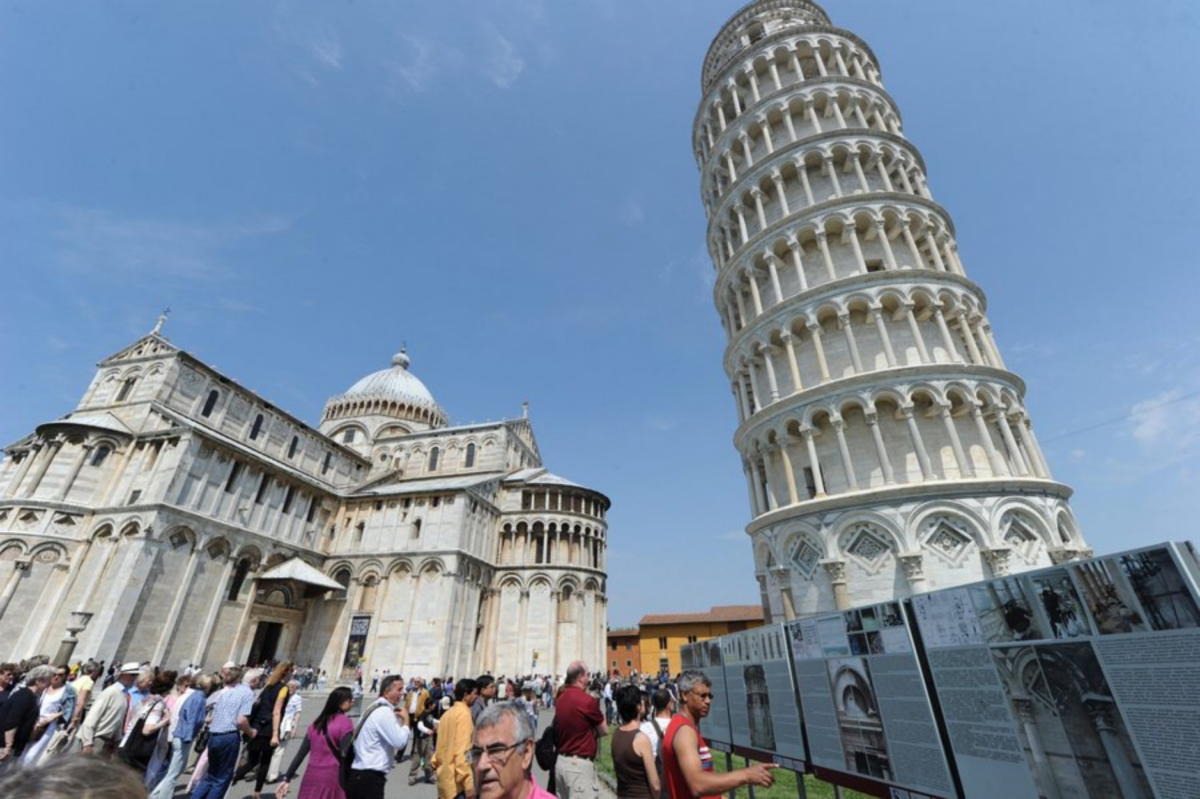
{"x":864,"y":701}
{"x":1077,"y":680}
{"x":762,"y":696}
{"x":705,"y":656}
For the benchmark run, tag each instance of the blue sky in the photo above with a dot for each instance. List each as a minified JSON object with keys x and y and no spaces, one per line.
{"x":509,"y":187}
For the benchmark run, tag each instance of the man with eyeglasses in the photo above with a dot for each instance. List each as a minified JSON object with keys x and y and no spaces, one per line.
{"x":687,"y":761}
{"x":501,"y":754}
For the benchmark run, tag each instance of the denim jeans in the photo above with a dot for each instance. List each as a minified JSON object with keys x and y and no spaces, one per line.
{"x":165,"y":788}
{"x":222,"y":760}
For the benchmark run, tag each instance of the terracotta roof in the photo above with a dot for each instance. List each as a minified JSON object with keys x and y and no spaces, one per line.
{"x":717,"y":613}
{"x":615,"y":632}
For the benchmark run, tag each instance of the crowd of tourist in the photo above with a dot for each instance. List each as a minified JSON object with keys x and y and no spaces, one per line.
{"x":142,"y":729}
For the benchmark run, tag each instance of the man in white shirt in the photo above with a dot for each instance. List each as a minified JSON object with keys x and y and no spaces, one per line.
{"x":383,"y":732}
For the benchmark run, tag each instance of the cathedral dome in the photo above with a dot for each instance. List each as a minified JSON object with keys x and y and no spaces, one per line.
{"x":394,"y":393}
{"x":394,"y":383}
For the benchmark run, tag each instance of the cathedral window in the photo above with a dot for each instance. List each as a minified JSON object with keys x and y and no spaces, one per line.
{"x":433,"y":459}
{"x":348,"y":436}
{"x":416,"y":531}
{"x":358,"y":531}
{"x":292,"y":447}
{"x":435,"y":501}
{"x":262,"y":489}
{"x":126,"y":387}
{"x":469,"y":461}
{"x":288,"y":497}
{"x":101,"y":453}
{"x":231,"y":480}
{"x":325,"y":465}
{"x":210,"y":403}
{"x":312,"y":509}
{"x":238,"y":578}
{"x":256,"y":428}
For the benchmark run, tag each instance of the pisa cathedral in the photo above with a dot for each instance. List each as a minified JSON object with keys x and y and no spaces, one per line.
{"x":178,"y":517}
{"x":887,"y":449}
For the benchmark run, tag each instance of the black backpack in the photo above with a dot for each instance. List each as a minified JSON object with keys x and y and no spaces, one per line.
{"x":546,"y":750}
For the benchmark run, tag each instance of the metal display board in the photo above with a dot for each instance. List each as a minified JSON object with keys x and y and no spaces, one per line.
{"x":867,"y":712}
{"x":764,"y":714}
{"x":1076,"y":680}
{"x":705,"y":656}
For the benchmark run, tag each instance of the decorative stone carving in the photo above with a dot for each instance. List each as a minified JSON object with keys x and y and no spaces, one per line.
{"x":913,"y":566}
{"x":836,"y":570}
{"x":996,"y":559}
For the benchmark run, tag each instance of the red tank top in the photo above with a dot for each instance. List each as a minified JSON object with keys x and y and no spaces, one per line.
{"x":677,"y":786}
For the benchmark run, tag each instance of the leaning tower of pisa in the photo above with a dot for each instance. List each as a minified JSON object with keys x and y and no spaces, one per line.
{"x":886,"y":446}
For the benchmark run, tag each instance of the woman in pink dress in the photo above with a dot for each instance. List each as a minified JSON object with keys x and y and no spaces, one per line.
{"x":324,"y":735}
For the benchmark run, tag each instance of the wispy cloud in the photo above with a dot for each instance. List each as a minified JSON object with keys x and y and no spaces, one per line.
{"x":661,"y":424}
{"x":1168,"y":424}
{"x":631,"y":212}
{"x":415,"y":66}
{"x":95,"y":241}
{"x":503,"y":64}
{"x":327,"y":49}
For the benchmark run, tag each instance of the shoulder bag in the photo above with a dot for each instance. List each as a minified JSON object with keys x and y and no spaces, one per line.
{"x":345,"y":751}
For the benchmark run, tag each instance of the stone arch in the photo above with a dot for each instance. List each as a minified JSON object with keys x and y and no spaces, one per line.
{"x":13,"y":549}
{"x":181,"y":535}
{"x":801,"y":546}
{"x":1064,"y":526}
{"x":950,"y":530}
{"x":218,"y":547}
{"x":252,"y":553}
{"x":402,"y":565}
{"x":48,"y":553}
{"x":131,"y":528}
{"x":511,"y":581}
{"x":103,"y":529}
{"x":370,"y":567}
{"x":339,"y":565}
{"x":1021,"y":526}
{"x":432,"y":566}
{"x":867,"y":537}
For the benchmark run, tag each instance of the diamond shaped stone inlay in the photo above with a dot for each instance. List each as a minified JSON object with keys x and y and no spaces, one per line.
{"x":805,"y":556}
{"x":868,"y":546}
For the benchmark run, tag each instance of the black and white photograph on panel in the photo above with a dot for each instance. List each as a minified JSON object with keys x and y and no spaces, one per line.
{"x":859,"y":722}
{"x":1161,"y":590}
{"x":1074,"y":739}
{"x":1060,"y":602}
{"x":758,"y":708}
{"x":1108,"y":597}
{"x":1008,"y":611}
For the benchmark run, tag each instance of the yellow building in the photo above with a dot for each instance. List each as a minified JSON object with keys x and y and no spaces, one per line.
{"x":661,"y":636}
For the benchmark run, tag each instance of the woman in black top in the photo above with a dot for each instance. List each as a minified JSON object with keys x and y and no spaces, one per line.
{"x":632,"y":753}
{"x":265,"y":718}
{"x":20,"y":713}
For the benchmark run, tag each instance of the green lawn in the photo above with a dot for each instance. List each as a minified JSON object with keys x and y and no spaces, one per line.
{"x":784,"y":787}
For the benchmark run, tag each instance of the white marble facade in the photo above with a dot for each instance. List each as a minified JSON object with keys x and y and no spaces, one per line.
{"x":886,"y":446}
{"x":159,"y":513}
